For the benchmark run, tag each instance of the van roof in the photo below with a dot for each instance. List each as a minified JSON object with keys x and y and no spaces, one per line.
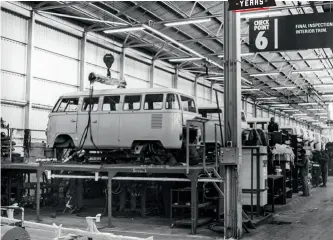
{"x":125,"y":91}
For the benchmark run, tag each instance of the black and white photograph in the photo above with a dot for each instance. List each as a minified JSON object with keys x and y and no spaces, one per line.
{"x":165,"y":120}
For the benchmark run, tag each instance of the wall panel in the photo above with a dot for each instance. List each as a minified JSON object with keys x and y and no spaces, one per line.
{"x":39,"y":119}
{"x":56,"y":41}
{"x":12,"y":86}
{"x":17,"y":33}
{"x":55,"y":67}
{"x":163,"y":78}
{"x":13,"y":115}
{"x":136,"y":69}
{"x":135,"y":82}
{"x":47,"y":93}
{"x":13,"y":56}
{"x":186,"y":86}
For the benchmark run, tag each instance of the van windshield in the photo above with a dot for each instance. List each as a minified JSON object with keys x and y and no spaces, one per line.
{"x":67,"y":105}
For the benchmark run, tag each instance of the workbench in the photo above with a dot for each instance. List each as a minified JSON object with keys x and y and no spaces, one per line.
{"x":113,"y":169}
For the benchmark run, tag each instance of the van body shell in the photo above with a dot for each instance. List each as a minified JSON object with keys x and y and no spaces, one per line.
{"x":118,"y":129}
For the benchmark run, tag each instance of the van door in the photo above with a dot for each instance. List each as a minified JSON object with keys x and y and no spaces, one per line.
{"x":131,"y":125}
{"x":63,"y":119}
{"x":189,"y":108}
{"x":109,"y":122}
{"x":88,"y":104}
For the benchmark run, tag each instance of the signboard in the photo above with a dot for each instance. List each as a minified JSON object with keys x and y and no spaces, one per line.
{"x":239,"y":5}
{"x":297,"y":32}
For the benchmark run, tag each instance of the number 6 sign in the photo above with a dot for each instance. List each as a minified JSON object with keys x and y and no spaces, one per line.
{"x":261,"y":41}
{"x":263,"y":35}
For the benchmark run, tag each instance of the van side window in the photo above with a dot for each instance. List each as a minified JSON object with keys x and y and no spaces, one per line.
{"x":68,"y":105}
{"x":172,"y":102}
{"x":111,"y":103}
{"x":188,"y":104}
{"x":153,"y":102}
{"x":132,"y":102}
{"x":90,"y":101}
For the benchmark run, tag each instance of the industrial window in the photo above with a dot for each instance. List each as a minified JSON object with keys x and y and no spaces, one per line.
{"x":188,"y":104}
{"x":111,"y":103}
{"x":87,"y":102}
{"x":172,"y":102}
{"x":67,"y":105}
{"x":153,"y":102}
{"x":132,"y":103}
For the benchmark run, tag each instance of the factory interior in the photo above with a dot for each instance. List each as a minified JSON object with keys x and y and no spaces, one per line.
{"x":156,"y":120}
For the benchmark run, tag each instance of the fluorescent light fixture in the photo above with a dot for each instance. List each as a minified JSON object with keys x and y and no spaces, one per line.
{"x":124,"y":29}
{"x":313,"y":120}
{"x":263,"y":103}
{"x":299,"y":114}
{"x":250,"y":89}
{"x":215,"y":78}
{"x":266,"y":98}
{"x":323,"y":85}
{"x":306,"y":104}
{"x":323,"y":117}
{"x":327,"y":95}
{"x":280,"y":105}
{"x":286,"y":108}
{"x":242,"y":54}
{"x":261,"y":14}
{"x":314,"y":109}
{"x":184,"y":59}
{"x":309,"y":71}
{"x":285,"y":87}
{"x":291,"y":110}
{"x":264,"y":74}
{"x":320,"y":114}
{"x":190,"y":21}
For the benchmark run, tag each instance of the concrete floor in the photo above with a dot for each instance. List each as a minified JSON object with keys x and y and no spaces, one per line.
{"x":308,"y":218}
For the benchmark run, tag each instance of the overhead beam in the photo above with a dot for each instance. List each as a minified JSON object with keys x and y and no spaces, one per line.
{"x":58,"y":6}
{"x":30,"y":67}
{"x":294,"y":60}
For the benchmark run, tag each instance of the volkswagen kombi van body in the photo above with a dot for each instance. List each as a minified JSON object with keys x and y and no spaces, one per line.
{"x":120,"y":118}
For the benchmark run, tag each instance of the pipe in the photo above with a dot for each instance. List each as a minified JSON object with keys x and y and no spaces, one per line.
{"x":82,"y":18}
{"x":165,"y":179}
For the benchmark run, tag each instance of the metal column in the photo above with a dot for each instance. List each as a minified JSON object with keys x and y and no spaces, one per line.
{"x":122,"y":63}
{"x":151,"y":78}
{"x":211,"y":92}
{"x":38,"y":194}
{"x":196,"y":88}
{"x":29,"y":79}
{"x":110,"y":176}
{"x":175,"y":78}
{"x":83,"y":60}
{"x":232,"y":125}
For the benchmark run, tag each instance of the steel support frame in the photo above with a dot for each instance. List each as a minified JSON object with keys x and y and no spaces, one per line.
{"x":232,"y":126}
{"x":83,"y":54}
{"x":29,"y":77}
{"x":192,"y":177}
{"x":152,"y":74}
{"x":122,"y":63}
{"x":195,"y":88}
{"x":175,"y":78}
